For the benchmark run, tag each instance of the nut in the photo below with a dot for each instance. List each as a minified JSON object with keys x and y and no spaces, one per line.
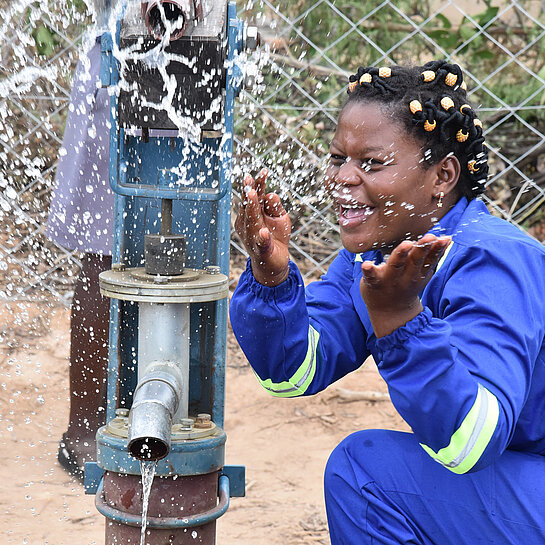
{"x":253,"y":39}
{"x":203,"y":421}
{"x":186,"y":424}
{"x":118,"y":267}
{"x":121,"y":412}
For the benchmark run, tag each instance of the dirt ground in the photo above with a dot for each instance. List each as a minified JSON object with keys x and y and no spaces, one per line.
{"x":284,"y":444}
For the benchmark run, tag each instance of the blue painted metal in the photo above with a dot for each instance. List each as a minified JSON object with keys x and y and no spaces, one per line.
{"x":190,"y":457}
{"x":237,"y":480}
{"x":93,"y":476}
{"x":141,"y":174}
{"x":189,"y":521}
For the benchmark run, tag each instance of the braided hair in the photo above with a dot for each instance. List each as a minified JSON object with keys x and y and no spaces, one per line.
{"x":432,"y":104}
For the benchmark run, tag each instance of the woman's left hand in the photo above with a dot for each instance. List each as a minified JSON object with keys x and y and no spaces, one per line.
{"x":391,"y":290}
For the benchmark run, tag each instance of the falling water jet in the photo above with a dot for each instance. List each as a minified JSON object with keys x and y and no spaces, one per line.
{"x":148,"y":473}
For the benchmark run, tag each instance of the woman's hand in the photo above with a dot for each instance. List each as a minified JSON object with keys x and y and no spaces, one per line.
{"x":264,"y":227}
{"x":391,"y":290}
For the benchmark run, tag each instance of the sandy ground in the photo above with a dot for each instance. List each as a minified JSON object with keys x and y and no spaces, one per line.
{"x":284,"y":444}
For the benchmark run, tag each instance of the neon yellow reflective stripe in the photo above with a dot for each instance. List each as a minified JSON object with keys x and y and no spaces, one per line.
{"x":472,"y":437}
{"x":297,"y":385}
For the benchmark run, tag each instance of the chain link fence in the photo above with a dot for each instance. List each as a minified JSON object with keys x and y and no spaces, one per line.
{"x":287,"y":121}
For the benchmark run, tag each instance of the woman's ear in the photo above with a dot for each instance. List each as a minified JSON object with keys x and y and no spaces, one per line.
{"x":448,"y":173}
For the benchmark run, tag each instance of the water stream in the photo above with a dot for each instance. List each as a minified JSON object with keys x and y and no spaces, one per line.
{"x":147,"y":469}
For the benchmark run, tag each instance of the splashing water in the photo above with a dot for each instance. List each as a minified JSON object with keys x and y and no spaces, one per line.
{"x":147,"y":469}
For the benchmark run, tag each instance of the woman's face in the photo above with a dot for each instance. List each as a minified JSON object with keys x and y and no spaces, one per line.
{"x":377,"y":177}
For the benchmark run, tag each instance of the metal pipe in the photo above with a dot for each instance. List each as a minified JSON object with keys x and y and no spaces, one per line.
{"x":155,"y":402}
{"x":163,"y":336}
{"x":161,"y":16}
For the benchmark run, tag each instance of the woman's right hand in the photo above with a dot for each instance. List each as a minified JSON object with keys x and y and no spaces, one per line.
{"x":264,"y":227}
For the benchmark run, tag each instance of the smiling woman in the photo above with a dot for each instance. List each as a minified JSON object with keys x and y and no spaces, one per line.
{"x":377,"y":177}
{"x":427,"y":286}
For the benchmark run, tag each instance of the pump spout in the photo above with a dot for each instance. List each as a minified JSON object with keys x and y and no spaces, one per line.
{"x":155,"y":403}
{"x":173,"y":16}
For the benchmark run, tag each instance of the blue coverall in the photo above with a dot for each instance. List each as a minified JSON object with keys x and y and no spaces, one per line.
{"x":467,"y":375}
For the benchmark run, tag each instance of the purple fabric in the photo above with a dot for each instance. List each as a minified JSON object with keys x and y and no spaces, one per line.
{"x":81,"y":212}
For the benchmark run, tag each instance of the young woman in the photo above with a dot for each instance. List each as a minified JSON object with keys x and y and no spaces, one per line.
{"x":447,"y":299}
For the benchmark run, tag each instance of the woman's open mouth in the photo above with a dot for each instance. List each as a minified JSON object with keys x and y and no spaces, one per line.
{"x":354,"y":214}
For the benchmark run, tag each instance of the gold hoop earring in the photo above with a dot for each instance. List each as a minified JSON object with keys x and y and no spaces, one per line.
{"x":440,"y":203}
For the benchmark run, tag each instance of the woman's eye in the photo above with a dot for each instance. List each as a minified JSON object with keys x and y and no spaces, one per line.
{"x":367,"y":164}
{"x":336,"y":160}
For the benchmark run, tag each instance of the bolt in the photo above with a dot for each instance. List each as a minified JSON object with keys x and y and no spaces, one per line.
{"x":158,"y":279}
{"x":203,"y":421}
{"x":123,"y":413}
{"x":120,"y":267}
{"x":253,"y":39}
{"x":186,"y":424}
{"x":212,"y":269}
{"x":251,"y":73}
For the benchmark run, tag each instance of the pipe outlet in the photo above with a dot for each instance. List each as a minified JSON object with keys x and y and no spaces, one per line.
{"x":173,"y":16}
{"x":155,"y":402}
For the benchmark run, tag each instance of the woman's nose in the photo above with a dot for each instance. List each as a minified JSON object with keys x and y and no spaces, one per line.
{"x":349,"y":173}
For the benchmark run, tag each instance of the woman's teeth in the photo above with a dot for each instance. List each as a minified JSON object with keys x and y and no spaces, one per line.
{"x":350,"y":212}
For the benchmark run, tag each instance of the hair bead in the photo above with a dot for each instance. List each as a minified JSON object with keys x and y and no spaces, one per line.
{"x":366,"y":78}
{"x":478,"y":123}
{"x":430,"y":126}
{"x":464,"y":106}
{"x":415,"y":106}
{"x":447,"y":103}
{"x":451,"y":79}
{"x":428,"y":75}
{"x":463,"y":85}
{"x":471,"y":166}
{"x":462,"y":136}
{"x":384,"y":72}
{"x":352,"y":85}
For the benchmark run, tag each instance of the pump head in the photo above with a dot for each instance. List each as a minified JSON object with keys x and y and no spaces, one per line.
{"x":174,"y":15}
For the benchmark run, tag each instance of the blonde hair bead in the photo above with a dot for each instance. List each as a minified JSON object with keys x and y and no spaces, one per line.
{"x":447,"y":103}
{"x":415,"y":106}
{"x":451,"y":79}
{"x":429,"y":126}
{"x":428,"y":75}
{"x":462,"y":136}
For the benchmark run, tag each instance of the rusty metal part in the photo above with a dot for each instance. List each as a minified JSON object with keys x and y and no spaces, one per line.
{"x":170,"y":497}
{"x":203,"y":421}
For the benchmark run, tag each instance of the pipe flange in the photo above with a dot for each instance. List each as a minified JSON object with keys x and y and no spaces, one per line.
{"x":141,"y":274}
{"x":118,"y":427}
{"x":194,"y":286}
{"x":181,"y":433}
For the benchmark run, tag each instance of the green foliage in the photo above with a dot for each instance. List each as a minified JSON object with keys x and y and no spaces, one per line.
{"x":45,"y":40}
{"x":72,"y":14}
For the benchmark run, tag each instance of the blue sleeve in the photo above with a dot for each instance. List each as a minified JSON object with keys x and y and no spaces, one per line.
{"x":460,"y":375}
{"x":299,"y":341}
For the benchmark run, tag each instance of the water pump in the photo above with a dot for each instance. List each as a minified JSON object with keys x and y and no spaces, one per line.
{"x":172,"y":66}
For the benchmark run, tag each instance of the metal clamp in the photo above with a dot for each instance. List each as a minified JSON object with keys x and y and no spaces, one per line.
{"x":200,"y":519}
